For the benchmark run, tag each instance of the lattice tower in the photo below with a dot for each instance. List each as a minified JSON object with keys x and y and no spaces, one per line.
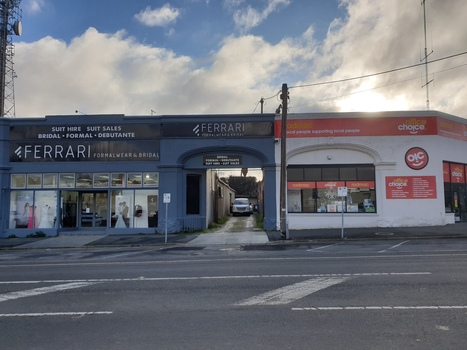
{"x":10,"y":24}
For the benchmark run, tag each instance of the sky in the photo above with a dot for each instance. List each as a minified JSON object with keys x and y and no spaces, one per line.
{"x":149,"y":57}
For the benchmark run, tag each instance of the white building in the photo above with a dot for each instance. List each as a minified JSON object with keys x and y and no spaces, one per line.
{"x":398,"y":169}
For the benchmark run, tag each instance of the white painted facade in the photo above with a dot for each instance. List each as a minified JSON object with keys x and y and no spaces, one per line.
{"x":387,"y":152}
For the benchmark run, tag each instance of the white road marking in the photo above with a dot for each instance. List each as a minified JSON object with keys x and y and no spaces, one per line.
{"x":323,"y":247}
{"x":44,"y":290}
{"x":346,"y":308}
{"x":39,"y":314}
{"x":142,"y":278}
{"x":393,"y":247}
{"x":288,"y":294}
{"x":190,"y":261}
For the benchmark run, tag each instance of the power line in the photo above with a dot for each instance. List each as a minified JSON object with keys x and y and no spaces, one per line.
{"x":263,"y":100}
{"x":377,"y":87}
{"x":376,"y":74}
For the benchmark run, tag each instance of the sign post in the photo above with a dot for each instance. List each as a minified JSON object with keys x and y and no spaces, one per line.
{"x":166,"y":200}
{"x":342,"y":192}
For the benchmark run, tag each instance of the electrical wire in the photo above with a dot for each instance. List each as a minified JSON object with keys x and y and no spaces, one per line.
{"x":376,"y":74}
{"x":377,"y":87}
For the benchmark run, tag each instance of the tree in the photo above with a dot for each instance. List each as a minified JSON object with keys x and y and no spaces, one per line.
{"x":244,"y":186}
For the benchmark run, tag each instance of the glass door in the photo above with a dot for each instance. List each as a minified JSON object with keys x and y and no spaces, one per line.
{"x":93,"y":209}
{"x":69,"y":209}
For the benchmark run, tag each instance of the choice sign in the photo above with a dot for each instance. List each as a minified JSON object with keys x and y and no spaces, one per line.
{"x":416,"y":158}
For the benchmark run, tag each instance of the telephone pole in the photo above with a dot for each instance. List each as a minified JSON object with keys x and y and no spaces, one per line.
{"x":283,"y":182}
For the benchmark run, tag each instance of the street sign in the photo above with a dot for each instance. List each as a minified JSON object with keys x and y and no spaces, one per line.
{"x":342,"y":191}
{"x":166,"y":198}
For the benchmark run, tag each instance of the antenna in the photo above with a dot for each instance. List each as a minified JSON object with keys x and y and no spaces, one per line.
{"x":10,"y":24}
{"x":427,"y":83}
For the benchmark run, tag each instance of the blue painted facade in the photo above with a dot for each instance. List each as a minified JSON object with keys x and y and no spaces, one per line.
{"x":76,"y":174}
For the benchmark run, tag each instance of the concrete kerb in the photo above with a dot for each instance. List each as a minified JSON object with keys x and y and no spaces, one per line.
{"x":458,"y":230}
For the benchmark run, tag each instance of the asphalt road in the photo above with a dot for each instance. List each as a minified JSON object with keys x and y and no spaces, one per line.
{"x":343,"y":295}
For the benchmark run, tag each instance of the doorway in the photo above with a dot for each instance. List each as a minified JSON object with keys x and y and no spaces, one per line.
{"x":84,"y":209}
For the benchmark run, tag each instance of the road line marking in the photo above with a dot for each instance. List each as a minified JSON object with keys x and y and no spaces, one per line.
{"x":44,"y":290}
{"x":323,"y":247}
{"x":39,"y":314}
{"x":372,"y":308}
{"x":101,"y":280}
{"x":287,"y":294}
{"x":393,"y":247}
{"x":190,"y":261}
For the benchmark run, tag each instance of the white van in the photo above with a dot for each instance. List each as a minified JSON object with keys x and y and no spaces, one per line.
{"x":242,"y":206}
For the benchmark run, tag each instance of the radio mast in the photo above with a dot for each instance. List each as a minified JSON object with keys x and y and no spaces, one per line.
{"x":427,"y":82}
{"x":10,"y":24}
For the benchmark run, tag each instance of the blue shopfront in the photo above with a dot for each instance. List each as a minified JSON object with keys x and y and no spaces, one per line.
{"x":108,"y":173}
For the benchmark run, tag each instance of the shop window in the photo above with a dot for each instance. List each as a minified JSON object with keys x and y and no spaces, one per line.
{"x":101,"y":180}
{"x":310,"y":200}
{"x":330,"y":174}
{"x":66,"y":180}
{"x":295,"y":174}
{"x":45,"y":204}
{"x":146,"y":208}
{"x":33,"y":209}
{"x":312,"y":174}
{"x":348,"y":173}
{"x":22,"y":213}
{"x":18,"y":181}
{"x":135,"y":180}
{"x":448,"y":199}
{"x":134,"y":208}
{"x":50,"y":180}
{"x":34,"y":180}
{"x":150,"y":179}
{"x":121,"y":204}
{"x":318,"y":192}
{"x":366,"y":173}
{"x":118,"y":179}
{"x":84,"y":180}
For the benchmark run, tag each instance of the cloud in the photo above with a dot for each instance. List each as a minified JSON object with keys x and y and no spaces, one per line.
{"x":114,"y":73}
{"x":375,"y":37}
{"x":95,"y":73}
{"x":33,"y":6}
{"x":247,"y":18}
{"x":160,"y":17}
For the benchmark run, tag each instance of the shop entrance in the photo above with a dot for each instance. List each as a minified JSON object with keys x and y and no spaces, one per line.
{"x":460,"y":202}
{"x":84,"y":209}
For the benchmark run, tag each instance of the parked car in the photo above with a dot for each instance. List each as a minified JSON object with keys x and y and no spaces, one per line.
{"x":242,"y":206}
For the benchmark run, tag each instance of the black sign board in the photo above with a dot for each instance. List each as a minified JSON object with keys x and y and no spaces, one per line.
{"x":84,"y":151}
{"x":85,"y":132}
{"x":222,"y":160}
{"x":85,"y":142}
{"x":218,"y":129}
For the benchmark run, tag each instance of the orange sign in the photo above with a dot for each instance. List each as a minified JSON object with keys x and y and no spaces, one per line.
{"x":338,"y":127}
{"x":446,"y":175}
{"x":330,"y":185}
{"x":457,"y":173}
{"x":410,"y":187}
{"x":360,"y":184}
{"x":300,"y":185}
{"x":452,"y":129}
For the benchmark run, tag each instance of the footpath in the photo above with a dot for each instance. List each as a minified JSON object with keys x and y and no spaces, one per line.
{"x":223,"y":237}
